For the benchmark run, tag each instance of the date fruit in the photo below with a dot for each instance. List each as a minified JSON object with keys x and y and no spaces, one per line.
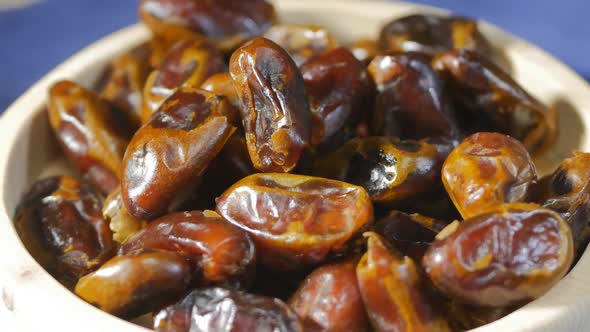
{"x":302,"y":42}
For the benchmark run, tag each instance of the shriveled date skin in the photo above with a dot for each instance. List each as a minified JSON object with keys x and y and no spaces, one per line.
{"x":302,"y":42}
{"x":391,"y":170}
{"x":486,"y":170}
{"x":490,"y":100}
{"x":432,"y":34}
{"x":167,"y":155}
{"x":222,"y":310}
{"x":187,"y":64}
{"x":338,"y":89}
{"x":226,"y":22}
{"x":218,"y":251}
{"x":567,"y":192}
{"x":89,"y":131}
{"x":329,"y":300}
{"x":124,"y":81}
{"x":411,"y":234}
{"x":411,"y":103}
{"x":393,"y":291}
{"x":296,"y":220}
{"x":275,"y":112}
{"x":60,"y":223}
{"x":129,"y":286}
{"x":509,"y":255}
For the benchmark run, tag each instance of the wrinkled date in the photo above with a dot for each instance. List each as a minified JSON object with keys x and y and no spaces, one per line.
{"x":129,"y":286}
{"x":512,"y":254}
{"x":219,"y":251}
{"x":296,"y":220}
{"x":123,"y":224}
{"x":411,"y":234}
{"x":391,"y":170}
{"x":338,"y":89}
{"x":222,"y":84}
{"x":275,"y":112}
{"x":393,"y":291}
{"x":218,"y":309}
{"x":568,"y":193}
{"x":88,"y":130}
{"x":490,"y":100}
{"x":302,"y":42}
{"x":486,"y":170}
{"x":226,"y":22}
{"x":167,"y":155}
{"x":432,"y":34}
{"x":60,"y":223}
{"x":187,"y":64}
{"x":124,"y":81}
{"x":329,"y":300}
{"x":411,"y":103}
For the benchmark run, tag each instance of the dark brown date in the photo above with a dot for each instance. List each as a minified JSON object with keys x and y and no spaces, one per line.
{"x":338,"y":90}
{"x":187,"y":64}
{"x":89,"y":131}
{"x":221,"y":310}
{"x":124,"y":80}
{"x":227,"y":23}
{"x":411,"y":234}
{"x":329,"y":300}
{"x":122,"y":224}
{"x":511,"y":254}
{"x":391,"y":170}
{"x":60,"y":223}
{"x":222,"y":84}
{"x":364,"y":50}
{"x":567,"y":192}
{"x":129,"y":286}
{"x":296,"y":220}
{"x":411,"y":103}
{"x":302,"y":42}
{"x":465,"y":317}
{"x":168,"y":154}
{"x":275,"y":112}
{"x":486,"y":170}
{"x":393,"y":291}
{"x":488,"y":99}
{"x":432,"y":34}
{"x":219,"y":251}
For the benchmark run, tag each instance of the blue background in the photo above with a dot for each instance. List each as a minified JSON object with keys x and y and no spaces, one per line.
{"x":35,"y":39}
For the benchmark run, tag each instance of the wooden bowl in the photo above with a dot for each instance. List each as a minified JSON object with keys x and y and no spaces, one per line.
{"x":28,"y":150}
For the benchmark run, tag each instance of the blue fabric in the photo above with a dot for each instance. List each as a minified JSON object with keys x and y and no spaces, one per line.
{"x":35,"y":39}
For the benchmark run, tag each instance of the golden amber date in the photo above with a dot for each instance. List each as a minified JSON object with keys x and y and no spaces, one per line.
{"x":187,"y":64}
{"x":390,"y":169}
{"x":129,"y":286}
{"x":124,"y":80}
{"x":296,"y":220}
{"x":60,"y":224}
{"x":168,"y":154}
{"x":432,"y":34}
{"x":90,"y":132}
{"x":275,"y":112}
{"x":226,"y":22}
{"x":338,"y":90}
{"x":217,"y":250}
{"x":488,"y":99}
{"x":486,"y":170}
{"x":329,"y":300}
{"x":219,"y":310}
{"x":302,"y":42}
{"x":509,"y":255}
{"x":122,"y":224}
{"x":411,"y":102}
{"x":393,"y":291}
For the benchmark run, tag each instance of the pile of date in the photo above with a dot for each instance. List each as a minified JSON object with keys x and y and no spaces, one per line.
{"x":236,"y":174}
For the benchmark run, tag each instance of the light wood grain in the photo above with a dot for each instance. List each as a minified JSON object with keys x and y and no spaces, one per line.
{"x":28,"y":150}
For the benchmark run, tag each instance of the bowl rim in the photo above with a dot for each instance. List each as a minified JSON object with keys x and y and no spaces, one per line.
{"x":563,"y":307}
